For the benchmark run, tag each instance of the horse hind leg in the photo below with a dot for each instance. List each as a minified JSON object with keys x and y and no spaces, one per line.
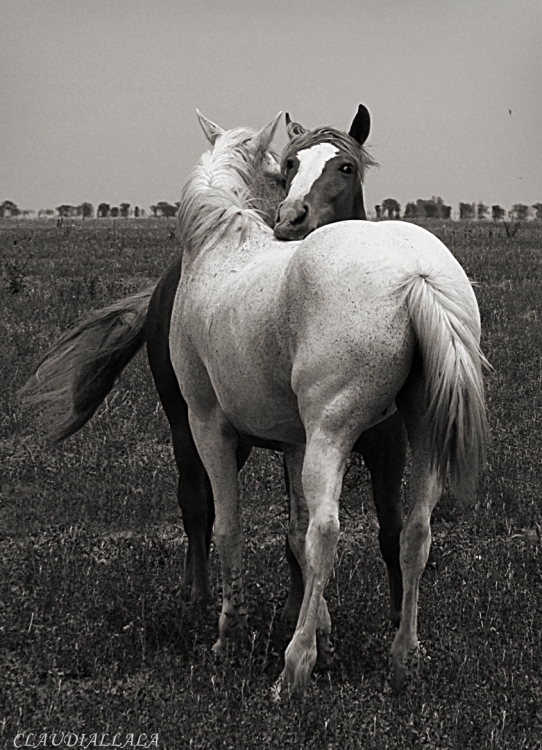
{"x":384,"y":450}
{"x":323,"y":469}
{"x":298,"y":521}
{"x":424,"y":492}
{"x":297,"y":531}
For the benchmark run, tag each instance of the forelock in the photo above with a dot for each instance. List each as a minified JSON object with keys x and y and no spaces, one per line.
{"x":344,"y":142}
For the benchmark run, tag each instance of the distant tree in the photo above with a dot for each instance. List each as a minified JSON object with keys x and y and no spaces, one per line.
{"x":378,"y":211}
{"x":154,"y":210}
{"x":466,"y":211}
{"x":165,"y":209}
{"x":115,"y":212}
{"x":65,"y":210}
{"x":497,"y":212}
{"x":392,"y":207}
{"x":411,"y":211}
{"x":124,"y":210}
{"x":136,"y":212}
{"x":538,"y":208}
{"x":431,"y":210}
{"x":103,"y":210}
{"x":427,"y":209}
{"x":443,"y":211}
{"x":481,"y":211}
{"x":9,"y":209}
{"x":86,"y":210}
{"x":519,"y":211}
{"x":421,"y":208}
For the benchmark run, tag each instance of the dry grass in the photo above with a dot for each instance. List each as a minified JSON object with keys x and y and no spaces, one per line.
{"x":91,"y":546}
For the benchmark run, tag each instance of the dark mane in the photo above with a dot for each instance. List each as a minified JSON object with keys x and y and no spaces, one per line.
{"x":326,"y":134}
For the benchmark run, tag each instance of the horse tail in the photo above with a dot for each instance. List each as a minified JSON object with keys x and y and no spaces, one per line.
{"x":79,"y":370}
{"x":447,"y":330}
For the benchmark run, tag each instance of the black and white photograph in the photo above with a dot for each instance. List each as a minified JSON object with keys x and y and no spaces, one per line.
{"x":271,"y":374}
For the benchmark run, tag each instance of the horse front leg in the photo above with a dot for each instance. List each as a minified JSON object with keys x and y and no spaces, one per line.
{"x":196,"y":502}
{"x":323,"y":469}
{"x":217,"y":442}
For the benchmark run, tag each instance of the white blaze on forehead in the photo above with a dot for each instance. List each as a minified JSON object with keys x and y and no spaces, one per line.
{"x":311,"y":165}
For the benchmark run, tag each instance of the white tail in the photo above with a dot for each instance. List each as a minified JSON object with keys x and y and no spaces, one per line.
{"x":447,"y":332}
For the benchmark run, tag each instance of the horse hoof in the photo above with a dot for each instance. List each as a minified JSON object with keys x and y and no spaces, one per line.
{"x":325,"y":653}
{"x":276,"y":691}
{"x":401,"y":669}
{"x":218,"y":650}
{"x":286,"y":685}
{"x":195,"y":598}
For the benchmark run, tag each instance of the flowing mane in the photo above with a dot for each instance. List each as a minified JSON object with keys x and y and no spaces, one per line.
{"x":220,"y":190}
{"x":326,"y":134}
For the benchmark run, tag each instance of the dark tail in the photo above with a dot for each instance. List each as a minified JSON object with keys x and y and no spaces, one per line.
{"x":79,"y":370}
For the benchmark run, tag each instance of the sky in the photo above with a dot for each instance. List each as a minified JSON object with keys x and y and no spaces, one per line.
{"x":98,"y":97}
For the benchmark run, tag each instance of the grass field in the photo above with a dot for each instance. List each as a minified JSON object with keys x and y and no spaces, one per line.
{"x":92,"y":636}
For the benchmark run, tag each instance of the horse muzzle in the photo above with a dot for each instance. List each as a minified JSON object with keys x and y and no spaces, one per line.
{"x":293,"y":221}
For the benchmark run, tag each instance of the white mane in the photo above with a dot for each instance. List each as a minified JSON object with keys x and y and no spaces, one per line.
{"x":218,"y":191}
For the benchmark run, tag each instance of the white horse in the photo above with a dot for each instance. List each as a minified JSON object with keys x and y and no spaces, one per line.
{"x":308,"y":344}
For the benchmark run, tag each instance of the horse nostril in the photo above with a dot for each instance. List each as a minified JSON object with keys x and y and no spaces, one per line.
{"x":292,"y":215}
{"x":301,"y":215}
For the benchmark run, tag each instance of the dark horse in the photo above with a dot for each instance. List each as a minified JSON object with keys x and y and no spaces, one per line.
{"x":77,"y":373}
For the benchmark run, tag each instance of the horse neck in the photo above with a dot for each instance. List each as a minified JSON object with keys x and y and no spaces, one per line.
{"x":211,"y":205}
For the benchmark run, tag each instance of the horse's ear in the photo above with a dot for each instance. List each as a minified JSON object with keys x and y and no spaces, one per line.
{"x":212,"y":130}
{"x":361,"y":126}
{"x":293,"y":128}
{"x":266,"y":134}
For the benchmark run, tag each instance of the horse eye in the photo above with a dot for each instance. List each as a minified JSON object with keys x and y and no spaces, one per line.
{"x":289,"y":164}
{"x":346,"y":169}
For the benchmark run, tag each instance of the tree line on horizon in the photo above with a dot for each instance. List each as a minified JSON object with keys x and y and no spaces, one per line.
{"x":85,"y":210}
{"x":434,"y":208}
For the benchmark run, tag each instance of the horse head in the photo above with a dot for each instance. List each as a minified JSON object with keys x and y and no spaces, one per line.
{"x":323,"y":172}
